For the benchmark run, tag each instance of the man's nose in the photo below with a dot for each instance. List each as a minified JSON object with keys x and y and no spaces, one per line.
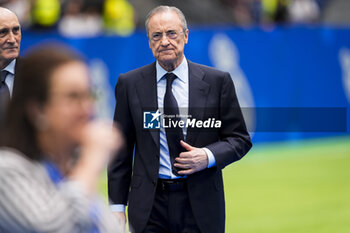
{"x":164,"y":41}
{"x":11,"y":38}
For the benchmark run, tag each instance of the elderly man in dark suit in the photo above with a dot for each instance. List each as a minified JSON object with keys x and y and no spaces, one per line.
{"x":171,"y":175}
{"x":10,"y":40}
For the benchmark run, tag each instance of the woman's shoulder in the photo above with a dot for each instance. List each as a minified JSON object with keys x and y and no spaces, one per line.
{"x":12,"y":160}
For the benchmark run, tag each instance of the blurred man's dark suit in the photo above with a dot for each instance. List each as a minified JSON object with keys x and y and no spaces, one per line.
{"x":211,"y":95}
{"x":4,"y":104}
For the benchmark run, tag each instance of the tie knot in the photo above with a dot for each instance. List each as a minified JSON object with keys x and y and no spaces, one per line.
{"x":170,"y":77}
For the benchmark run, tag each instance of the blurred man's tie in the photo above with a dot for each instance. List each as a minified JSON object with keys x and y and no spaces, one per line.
{"x":4,"y":90}
{"x":173,"y":134}
{"x":4,"y":97}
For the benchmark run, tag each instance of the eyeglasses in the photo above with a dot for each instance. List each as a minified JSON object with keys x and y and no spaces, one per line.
{"x":157,"y":36}
{"x":75,"y":97}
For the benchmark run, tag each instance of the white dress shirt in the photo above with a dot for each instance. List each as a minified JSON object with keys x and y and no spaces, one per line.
{"x":180,"y":89}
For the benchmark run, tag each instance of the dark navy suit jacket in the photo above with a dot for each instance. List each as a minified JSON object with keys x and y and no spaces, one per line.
{"x":133,"y":174}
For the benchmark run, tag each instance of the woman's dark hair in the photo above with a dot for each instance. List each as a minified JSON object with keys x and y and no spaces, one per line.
{"x":31,"y":85}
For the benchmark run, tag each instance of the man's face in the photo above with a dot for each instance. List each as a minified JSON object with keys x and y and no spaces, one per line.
{"x":10,"y":37}
{"x":167,"y":39}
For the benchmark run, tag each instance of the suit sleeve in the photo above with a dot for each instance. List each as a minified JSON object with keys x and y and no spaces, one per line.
{"x":120,"y":168}
{"x":234,"y":140}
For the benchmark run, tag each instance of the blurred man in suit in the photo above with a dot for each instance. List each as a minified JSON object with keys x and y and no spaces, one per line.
{"x":171,"y":177}
{"x":10,"y":40}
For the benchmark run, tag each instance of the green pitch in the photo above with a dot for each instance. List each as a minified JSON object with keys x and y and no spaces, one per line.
{"x":299,"y":187}
{"x":302,"y":187}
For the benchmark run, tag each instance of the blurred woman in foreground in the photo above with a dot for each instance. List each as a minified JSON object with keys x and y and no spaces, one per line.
{"x":52,"y":153}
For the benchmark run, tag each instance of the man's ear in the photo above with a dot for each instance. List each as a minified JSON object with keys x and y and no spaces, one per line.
{"x":149,"y":43}
{"x":186,"y":36}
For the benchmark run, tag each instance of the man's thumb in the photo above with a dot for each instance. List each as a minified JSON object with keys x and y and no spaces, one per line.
{"x":185,"y":145}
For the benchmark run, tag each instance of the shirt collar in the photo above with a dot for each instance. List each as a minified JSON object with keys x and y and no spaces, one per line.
{"x":11,"y":67}
{"x":181,"y":71}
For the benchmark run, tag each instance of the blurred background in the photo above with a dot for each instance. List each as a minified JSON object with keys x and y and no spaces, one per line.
{"x":290,"y":62}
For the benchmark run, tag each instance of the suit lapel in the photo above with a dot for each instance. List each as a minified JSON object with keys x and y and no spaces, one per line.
{"x":146,"y":89}
{"x":198,"y":93}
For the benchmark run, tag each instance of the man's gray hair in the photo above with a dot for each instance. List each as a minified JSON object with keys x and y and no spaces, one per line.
{"x":160,"y":9}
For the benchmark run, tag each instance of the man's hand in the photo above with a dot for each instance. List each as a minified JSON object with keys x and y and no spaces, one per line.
{"x":193,"y":160}
{"x":121,"y":220}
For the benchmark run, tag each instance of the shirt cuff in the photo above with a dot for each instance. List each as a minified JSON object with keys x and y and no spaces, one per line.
{"x":211,"y":158}
{"x":117,"y":208}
